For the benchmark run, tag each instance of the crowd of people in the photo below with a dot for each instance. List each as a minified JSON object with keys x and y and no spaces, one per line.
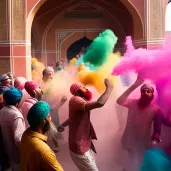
{"x":30,"y":127}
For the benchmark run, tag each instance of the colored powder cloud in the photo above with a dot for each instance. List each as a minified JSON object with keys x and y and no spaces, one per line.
{"x":37,"y":69}
{"x":151,"y":64}
{"x":155,"y":160}
{"x":96,"y":78}
{"x":99,"y":50}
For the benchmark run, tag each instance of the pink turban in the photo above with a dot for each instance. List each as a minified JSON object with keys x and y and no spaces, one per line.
{"x":20,"y":83}
{"x":75,"y":87}
{"x":147,"y":86}
{"x":30,"y":86}
{"x":48,"y":70}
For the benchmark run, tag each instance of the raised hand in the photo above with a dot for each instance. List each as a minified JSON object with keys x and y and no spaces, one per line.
{"x":139,"y":81}
{"x":108,"y":83}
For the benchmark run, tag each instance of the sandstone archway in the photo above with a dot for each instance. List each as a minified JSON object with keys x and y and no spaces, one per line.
{"x":50,"y":18}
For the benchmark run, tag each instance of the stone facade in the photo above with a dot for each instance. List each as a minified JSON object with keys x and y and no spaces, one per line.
{"x":55,"y":25}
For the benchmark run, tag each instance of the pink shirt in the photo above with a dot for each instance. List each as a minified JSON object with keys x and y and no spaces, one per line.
{"x":81,"y":131}
{"x":25,"y":96}
{"x":12,"y":127}
{"x":138,"y":129}
{"x":26,"y":107}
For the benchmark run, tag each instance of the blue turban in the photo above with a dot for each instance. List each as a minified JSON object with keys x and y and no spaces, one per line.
{"x":38,"y":113}
{"x":12,"y":96}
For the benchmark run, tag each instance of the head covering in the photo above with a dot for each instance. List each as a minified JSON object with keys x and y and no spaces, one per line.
{"x":48,"y":70}
{"x":30,"y":86}
{"x":38,"y":113}
{"x":10,"y":74}
{"x":12,"y":96}
{"x":3,"y":77}
{"x":20,"y":83}
{"x":75,"y":87}
{"x":147,"y":86}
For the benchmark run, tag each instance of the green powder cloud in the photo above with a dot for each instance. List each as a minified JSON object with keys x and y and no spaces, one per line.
{"x":99,"y":50}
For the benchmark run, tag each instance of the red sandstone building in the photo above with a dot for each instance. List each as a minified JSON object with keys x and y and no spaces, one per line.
{"x":46,"y":29}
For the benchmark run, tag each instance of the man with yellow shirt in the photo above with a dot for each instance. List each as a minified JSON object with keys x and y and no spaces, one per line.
{"x":36,"y":155}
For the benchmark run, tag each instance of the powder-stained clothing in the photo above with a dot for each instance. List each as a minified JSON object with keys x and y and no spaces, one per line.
{"x":138,"y":129}
{"x":52,"y":139}
{"x":24,"y":98}
{"x":36,"y":155}
{"x":26,"y":107}
{"x":81,"y":131}
{"x":12,"y":127}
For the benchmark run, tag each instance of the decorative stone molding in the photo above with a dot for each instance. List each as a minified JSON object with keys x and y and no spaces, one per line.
{"x":3,"y":20}
{"x":62,"y":35}
{"x":18,"y":20}
{"x":155,"y":24}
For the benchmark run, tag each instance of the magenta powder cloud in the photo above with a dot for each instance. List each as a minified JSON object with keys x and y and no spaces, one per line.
{"x":151,"y":64}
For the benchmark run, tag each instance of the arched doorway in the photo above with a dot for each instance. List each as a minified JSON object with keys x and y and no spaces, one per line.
{"x":78,"y":47}
{"x":54,"y":18}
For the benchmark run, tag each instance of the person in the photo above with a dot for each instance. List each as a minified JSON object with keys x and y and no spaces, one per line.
{"x":5,"y":83}
{"x":141,"y":114}
{"x":11,"y":77}
{"x":47,"y":80}
{"x":81,"y":53}
{"x":48,"y":74}
{"x":36,"y":155}
{"x":12,"y":126}
{"x":81,"y":131}
{"x":20,"y":83}
{"x":58,"y":66}
{"x":36,"y":94}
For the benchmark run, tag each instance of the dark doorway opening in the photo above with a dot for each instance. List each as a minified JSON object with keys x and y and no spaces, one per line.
{"x":77,"y":47}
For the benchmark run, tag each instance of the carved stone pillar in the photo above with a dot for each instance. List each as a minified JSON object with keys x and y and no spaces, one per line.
{"x":4,"y":38}
{"x":14,"y":49}
{"x":155,"y":27}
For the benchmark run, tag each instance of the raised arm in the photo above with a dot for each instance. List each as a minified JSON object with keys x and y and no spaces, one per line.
{"x":62,"y":126}
{"x":102,"y":99}
{"x":123,"y":99}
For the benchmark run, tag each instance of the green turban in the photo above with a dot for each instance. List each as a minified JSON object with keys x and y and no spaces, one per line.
{"x":38,"y":113}
{"x":12,"y":96}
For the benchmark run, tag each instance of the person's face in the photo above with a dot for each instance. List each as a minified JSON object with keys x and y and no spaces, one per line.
{"x":6,"y":81}
{"x":38,"y":93}
{"x":58,"y":64}
{"x":48,"y":77}
{"x":146,"y":95}
{"x":85,"y":93}
{"x":46,"y":126}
